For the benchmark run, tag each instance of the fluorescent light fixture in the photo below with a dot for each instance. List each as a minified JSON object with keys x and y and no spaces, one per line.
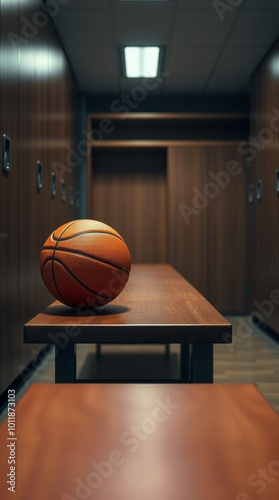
{"x":141,"y":61}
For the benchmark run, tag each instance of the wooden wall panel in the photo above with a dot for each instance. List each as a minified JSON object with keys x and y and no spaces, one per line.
{"x":128,"y":192}
{"x":227,"y":275}
{"x":187,"y":234}
{"x":38,"y":109}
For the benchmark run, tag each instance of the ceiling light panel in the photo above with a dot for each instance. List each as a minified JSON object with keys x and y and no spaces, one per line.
{"x":141,"y":61}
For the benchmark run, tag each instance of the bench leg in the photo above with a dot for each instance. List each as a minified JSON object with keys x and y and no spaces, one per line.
{"x":167,"y":350}
{"x":98,"y":350}
{"x":184,"y":361}
{"x":65,"y":364}
{"x":202,"y":363}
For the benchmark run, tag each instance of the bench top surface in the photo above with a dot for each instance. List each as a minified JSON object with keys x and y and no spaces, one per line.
{"x":157,"y":302}
{"x":164,"y":441}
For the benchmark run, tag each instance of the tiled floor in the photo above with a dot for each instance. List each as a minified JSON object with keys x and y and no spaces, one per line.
{"x":252,"y":358}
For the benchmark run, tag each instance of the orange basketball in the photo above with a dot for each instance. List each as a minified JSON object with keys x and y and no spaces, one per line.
{"x":85,"y":262}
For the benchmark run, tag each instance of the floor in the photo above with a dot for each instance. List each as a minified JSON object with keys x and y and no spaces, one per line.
{"x":252,"y":358}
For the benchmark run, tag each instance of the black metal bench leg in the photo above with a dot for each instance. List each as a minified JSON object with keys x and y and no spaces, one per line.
{"x":202,"y":363}
{"x":65,"y":364}
{"x":184,"y":361}
{"x":98,"y":350}
{"x":167,"y":350}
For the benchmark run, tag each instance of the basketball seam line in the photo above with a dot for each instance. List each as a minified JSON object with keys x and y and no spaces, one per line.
{"x":75,"y":252}
{"x":53,"y":256}
{"x":54,"y":259}
{"x":86,"y":232}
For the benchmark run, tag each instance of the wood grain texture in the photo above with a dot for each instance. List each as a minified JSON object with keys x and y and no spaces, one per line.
{"x":227,"y":207}
{"x":149,"y":143}
{"x":207,"y":445}
{"x":187,"y":172}
{"x":169,"y":116}
{"x":127,"y":191}
{"x":250,"y":360}
{"x":157,"y":305}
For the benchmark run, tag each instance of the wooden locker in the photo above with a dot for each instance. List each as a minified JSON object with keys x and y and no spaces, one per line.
{"x":187,"y":220}
{"x":9,"y":190}
{"x":28,"y":215}
{"x":227,"y":229}
{"x":264,"y":217}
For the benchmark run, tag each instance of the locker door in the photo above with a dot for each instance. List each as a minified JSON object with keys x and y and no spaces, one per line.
{"x":227,"y":229}
{"x":187,"y":214}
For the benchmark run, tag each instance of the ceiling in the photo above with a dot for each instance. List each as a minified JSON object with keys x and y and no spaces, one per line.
{"x":206,"y":51}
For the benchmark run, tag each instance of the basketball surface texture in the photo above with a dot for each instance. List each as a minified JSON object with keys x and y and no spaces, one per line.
{"x":85,"y":262}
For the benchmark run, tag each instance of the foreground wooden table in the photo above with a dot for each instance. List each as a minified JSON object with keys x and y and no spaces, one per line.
{"x":157,"y":306}
{"x":143,"y":442}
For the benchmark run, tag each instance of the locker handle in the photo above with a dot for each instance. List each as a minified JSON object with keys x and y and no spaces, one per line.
{"x":63,"y":190}
{"x":72,"y":197}
{"x":77,"y":199}
{"x":39,"y":175}
{"x":6,"y":153}
{"x":277,"y":181}
{"x":53,"y":185}
{"x":259,"y":189}
{"x":250,"y":193}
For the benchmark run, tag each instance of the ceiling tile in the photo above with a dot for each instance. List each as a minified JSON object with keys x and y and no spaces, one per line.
{"x":195,"y":4}
{"x":98,"y":59}
{"x":137,"y":27}
{"x":95,"y":83}
{"x":200,"y":27}
{"x":145,"y":6}
{"x":185,"y":84}
{"x":85,"y":4}
{"x":192,"y":60}
{"x":261,"y":4}
{"x":84,"y":27}
{"x":227,"y":84}
{"x":256,"y":27}
{"x":242,"y":60}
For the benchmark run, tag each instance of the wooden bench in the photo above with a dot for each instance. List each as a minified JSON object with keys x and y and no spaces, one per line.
{"x":158,"y":306}
{"x":142,"y":441}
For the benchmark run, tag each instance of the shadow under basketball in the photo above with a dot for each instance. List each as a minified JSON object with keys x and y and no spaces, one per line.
{"x":107,"y":310}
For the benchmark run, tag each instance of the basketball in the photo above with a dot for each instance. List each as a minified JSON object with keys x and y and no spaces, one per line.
{"x":85,"y":262}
